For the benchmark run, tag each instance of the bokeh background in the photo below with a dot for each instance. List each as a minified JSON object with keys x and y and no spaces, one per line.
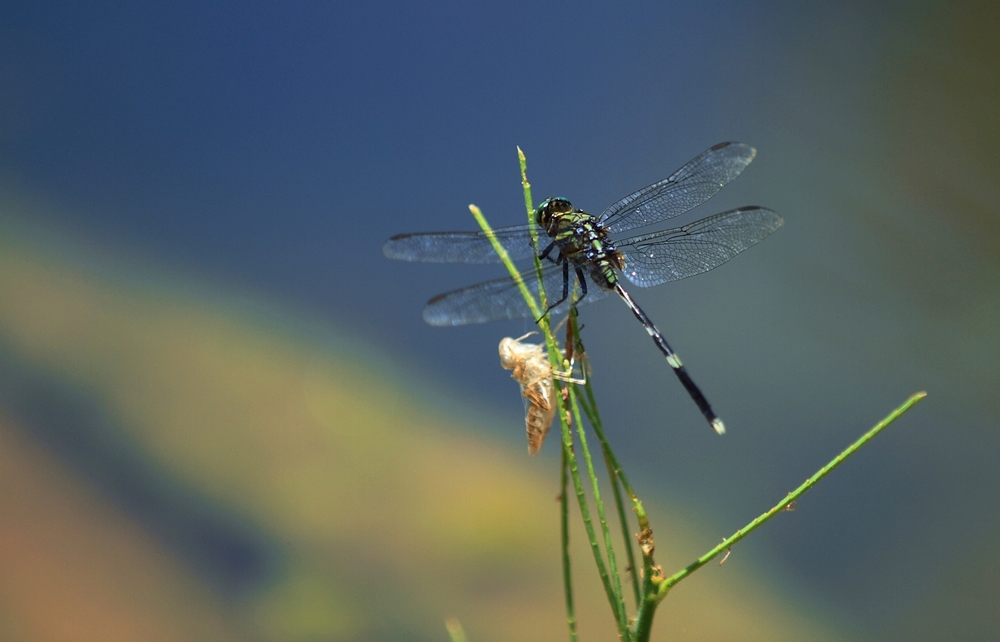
{"x":222,"y":417}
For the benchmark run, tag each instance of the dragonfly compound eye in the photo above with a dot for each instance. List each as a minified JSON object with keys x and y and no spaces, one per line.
{"x":560,"y":205}
{"x":550,"y":209}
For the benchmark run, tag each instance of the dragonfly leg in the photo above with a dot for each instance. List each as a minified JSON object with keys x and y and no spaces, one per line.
{"x":566,"y":289}
{"x":583,"y":285}
{"x":545,"y":253}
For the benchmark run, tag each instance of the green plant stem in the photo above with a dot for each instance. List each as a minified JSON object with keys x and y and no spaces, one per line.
{"x":589,"y":406}
{"x":564,"y":522}
{"x":611,"y":578}
{"x":659,"y":587}
{"x":612,"y":582}
{"x":555,"y":358}
{"x":798,"y":492}
{"x":505,"y":259}
{"x":529,"y":205}
{"x":588,"y":524}
{"x":616,"y":490}
{"x":595,"y":421}
{"x":653,"y":588}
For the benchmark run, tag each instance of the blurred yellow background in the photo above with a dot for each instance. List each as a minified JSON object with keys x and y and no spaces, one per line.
{"x":354,"y":508}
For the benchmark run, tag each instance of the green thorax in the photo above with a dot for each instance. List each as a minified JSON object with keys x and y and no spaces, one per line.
{"x":581,"y":240}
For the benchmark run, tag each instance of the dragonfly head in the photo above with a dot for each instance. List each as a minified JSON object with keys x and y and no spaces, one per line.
{"x":550,"y":210}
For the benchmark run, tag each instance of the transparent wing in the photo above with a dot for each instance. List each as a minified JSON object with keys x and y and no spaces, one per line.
{"x":688,"y":187}
{"x":461,"y":247}
{"x":680,"y":252}
{"x":501,"y":299}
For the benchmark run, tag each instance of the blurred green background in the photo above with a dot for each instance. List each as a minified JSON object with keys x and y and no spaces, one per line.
{"x":222,"y":417}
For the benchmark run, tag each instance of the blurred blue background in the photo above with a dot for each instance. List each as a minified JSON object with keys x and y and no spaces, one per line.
{"x":263,"y":152}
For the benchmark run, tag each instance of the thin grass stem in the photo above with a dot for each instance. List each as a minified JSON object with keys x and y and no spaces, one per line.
{"x":555,"y":358}
{"x":611,"y":578}
{"x":589,"y":405}
{"x":564,"y":523}
{"x":795,"y":494}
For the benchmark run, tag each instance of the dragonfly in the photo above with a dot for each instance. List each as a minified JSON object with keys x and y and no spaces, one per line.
{"x":583,"y":263}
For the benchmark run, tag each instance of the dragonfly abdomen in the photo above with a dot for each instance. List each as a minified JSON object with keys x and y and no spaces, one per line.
{"x":603,"y":273}
{"x":674,"y":362}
